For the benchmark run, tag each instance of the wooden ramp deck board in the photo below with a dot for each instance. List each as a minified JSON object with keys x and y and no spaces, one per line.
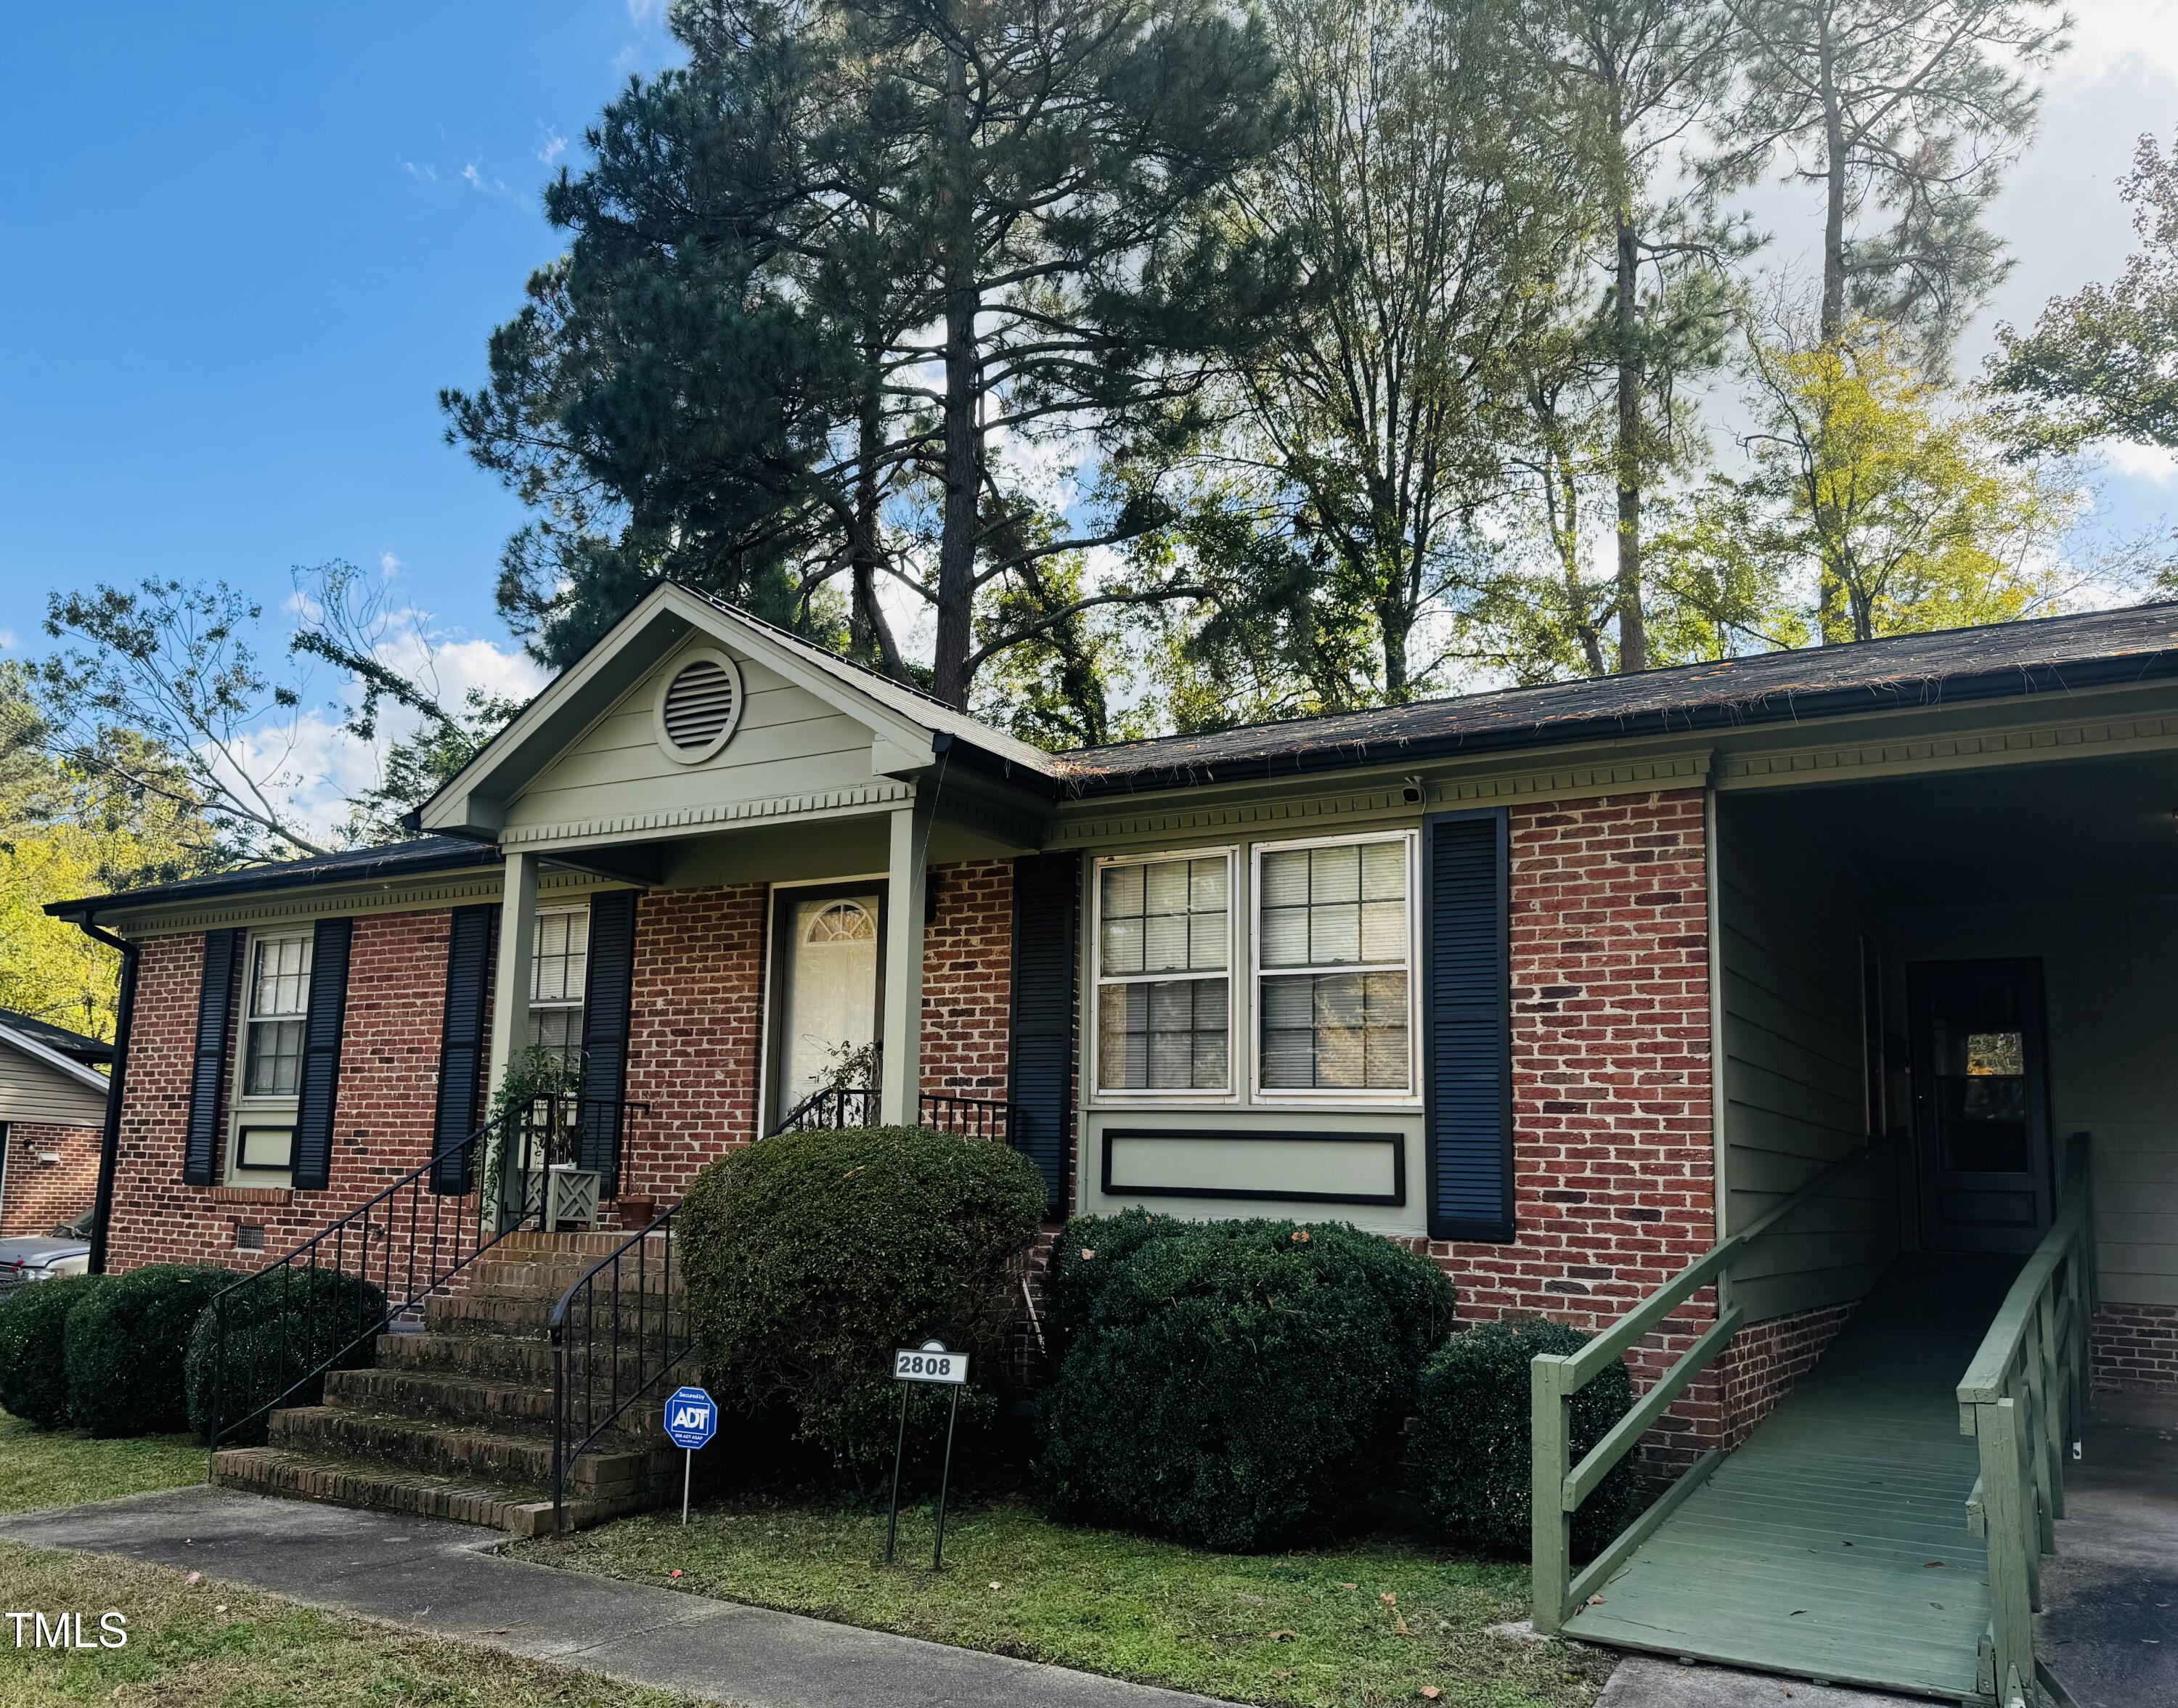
{"x":1833,"y":1544}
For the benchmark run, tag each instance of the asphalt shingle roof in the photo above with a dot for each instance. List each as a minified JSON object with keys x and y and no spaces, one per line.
{"x":2000,"y":660}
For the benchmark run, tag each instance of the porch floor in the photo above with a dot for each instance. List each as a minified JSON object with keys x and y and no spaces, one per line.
{"x":1833,"y":1544}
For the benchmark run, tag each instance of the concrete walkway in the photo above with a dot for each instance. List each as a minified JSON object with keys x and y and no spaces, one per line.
{"x":442,"y":1579}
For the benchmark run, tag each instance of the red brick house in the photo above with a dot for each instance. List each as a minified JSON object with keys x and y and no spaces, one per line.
{"x":1558,"y":984}
{"x":52,"y":1115}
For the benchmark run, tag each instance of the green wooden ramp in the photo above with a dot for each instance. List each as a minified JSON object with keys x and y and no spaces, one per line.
{"x":1834,"y":1544}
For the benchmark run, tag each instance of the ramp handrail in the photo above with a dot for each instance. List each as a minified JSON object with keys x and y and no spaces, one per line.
{"x":1558,"y":1487}
{"x":2022,"y":1398}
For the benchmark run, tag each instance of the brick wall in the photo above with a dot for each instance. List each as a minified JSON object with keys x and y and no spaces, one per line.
{"x":1759,"y":1368}
{"x":1613,"y":1153}
{"x":967,"y":980}
{"x":35,"y":1197}
{"x":2135,"y":1346}
{"x":693,"y":1039}
{"x":381,"y":1125}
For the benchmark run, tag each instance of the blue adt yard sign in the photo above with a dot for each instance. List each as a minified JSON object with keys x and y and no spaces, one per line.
{"x":692,"y":1419}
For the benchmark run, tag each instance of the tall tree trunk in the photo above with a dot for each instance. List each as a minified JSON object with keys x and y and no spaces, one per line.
{"x":1834,"y":187}
{"x":870,"y":635}
{"x":963,"y":415}
{"x":1632,"y":625}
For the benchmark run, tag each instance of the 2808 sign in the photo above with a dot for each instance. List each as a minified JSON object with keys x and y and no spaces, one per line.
{"x":929,"y":1364}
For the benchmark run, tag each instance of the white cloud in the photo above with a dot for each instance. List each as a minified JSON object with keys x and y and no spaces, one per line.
{"x":428,"y":173}
{"x":477,"y":180}
{"x":552,"y":147}
{"x":2155,"y":463}
{"x":643,"y":13}
{"x":388,"y":564}
{"x":7,"y":640}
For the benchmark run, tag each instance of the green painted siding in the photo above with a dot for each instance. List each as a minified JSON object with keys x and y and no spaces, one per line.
{"x":1792,"y":1079}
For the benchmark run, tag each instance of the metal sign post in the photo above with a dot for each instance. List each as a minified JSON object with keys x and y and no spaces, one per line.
{"x":928,"y":1362}
{"x":692,"y":1419}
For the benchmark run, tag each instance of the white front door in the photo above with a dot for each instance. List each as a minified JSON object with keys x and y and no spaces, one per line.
{"x":826,"y":1009}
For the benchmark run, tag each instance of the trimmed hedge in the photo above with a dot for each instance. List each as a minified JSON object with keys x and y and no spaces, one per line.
{"x":125,"y":1346}
{"x":1470,"y":1458}
{"x":1234,"y":1384}
{"x":33,"y":1356}
{"x":811,"y":1255}
{"x":275,"y":1331}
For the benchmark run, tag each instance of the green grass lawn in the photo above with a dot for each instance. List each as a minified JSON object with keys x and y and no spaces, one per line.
{"x":1350,"y":1627}
{"x":209,"y":1645}
{"x":65,"y":1468}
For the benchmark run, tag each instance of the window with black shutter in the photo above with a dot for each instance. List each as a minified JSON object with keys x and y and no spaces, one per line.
{"x":1046,"y":887}
{"x":1467,"y":1051}
{"x":317,"y":1092}
{"x":461,"y":1046}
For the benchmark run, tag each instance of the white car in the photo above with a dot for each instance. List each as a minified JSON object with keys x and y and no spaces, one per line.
{"x":39,"y":1257}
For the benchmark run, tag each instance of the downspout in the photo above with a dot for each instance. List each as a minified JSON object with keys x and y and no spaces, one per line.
{"x":109,"y":1154}
{"x":1720,"y":1143}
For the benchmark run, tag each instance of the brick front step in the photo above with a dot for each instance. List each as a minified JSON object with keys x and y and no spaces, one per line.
{"x":524,"y":1359}
{"x":522,"y":1277}
{"x":448,"y":1450}
{"x":514,"y":1407}
{"x":273,"y":1470}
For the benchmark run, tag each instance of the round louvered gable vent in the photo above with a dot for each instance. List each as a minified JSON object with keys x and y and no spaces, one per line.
{"x":699,"y":706}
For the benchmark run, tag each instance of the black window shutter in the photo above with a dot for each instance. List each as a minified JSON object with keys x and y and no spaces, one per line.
{"x":462,"y":1046}
{"x":319,"y":1092}
{"x":215,"y":996}
{"x":1042,"y":1050}
{"x":1467,"y":1055}
{"x":606,"y":999}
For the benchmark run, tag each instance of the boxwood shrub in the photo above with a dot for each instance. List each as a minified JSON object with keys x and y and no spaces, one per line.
{"x":125,"y":1345}
{"x":1469,"y":1454}
{"x":1234,"y":1384}
{"x":33,"y":1361}
{"x":811,"y":1255}
{"x":276,"y":1330}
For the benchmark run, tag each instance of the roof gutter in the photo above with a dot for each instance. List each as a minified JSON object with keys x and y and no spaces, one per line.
{"x":247,"y":882}
{"x":109,"y":1149}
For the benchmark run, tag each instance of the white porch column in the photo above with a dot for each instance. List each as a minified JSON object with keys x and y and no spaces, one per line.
{"x":899,"y":1084}
{"x":510,"y":978}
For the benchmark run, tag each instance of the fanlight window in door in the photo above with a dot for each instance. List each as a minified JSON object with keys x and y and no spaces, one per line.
{"x":698,"y":706}
{"x":843,"y":921}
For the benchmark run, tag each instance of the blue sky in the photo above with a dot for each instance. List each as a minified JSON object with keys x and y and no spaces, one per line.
{"x":244,"y":244}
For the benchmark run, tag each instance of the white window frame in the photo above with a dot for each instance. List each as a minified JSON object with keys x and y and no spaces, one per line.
{"x":558,"y":1004}
{"x":1317,"y":1096}
{"x":247,"y":1111}
{"x":1135,"y":1097}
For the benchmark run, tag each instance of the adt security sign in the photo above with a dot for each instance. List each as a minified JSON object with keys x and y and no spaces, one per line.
{"x":692,"y":1419}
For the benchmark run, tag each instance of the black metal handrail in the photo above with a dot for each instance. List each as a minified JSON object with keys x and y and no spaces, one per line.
{"x":360,"y":1246}
{"x":581,"y":1341}
{"x":571,"y":1122}
{"x":833,"y":1107}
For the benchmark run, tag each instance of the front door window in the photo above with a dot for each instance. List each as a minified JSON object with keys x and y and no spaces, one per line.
{"x":825,"y":1018}
{"x":1981,"y":1104}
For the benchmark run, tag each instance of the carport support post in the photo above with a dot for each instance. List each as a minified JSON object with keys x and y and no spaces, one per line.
{"x":509,"y":1000}
{"x":900,"y":1061}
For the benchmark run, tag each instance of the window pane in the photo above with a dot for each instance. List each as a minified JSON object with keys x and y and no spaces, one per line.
{"x":1383,"y":871}
{"x":1334,"y":874}
{"x":274,"y":1068}
{"x":1164,"y":916}
{"x":281,"y":985}
{"x":1285,"y":936}
{"x":1166,"y":1036}
{"x":1285,"y":878}
{"x":1334,"y":933}
{"x":559,"y":1030}
{"x":1335,"y":1031}
{"x":1383,"y":931}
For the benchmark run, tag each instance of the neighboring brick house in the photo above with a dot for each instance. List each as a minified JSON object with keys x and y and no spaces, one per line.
{"x":1559,"y":985}
{"x":52,"y":1121}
